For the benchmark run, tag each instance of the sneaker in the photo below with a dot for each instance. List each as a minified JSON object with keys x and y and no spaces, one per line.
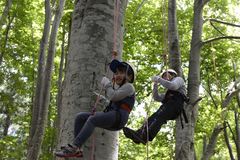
{"x":69,"y":151}
{"x":133,"y":135}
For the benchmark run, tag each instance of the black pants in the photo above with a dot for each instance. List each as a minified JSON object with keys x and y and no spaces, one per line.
{"x":170,"y":110}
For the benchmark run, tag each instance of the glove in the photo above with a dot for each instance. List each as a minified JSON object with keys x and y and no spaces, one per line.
{"x":105,"y":81}
{"x":155,"y":79}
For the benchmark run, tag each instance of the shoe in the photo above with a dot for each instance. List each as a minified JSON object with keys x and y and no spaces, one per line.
{"x":69,"y":151}
{"x":133,"y":135}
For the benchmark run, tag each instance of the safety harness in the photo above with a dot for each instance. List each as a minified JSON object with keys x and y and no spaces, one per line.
{"x":169,"y":95}
{"x":125,"y":104}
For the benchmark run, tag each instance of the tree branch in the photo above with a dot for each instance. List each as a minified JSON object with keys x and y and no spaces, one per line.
{"x":222,"y":22}
{"x":219,"y":38}
{"x":212,"y":142}
{"x":231,"y":93}
{"x":205,"y":2}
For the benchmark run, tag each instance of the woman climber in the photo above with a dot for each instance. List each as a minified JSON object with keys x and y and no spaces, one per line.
{"x":171,"y":108}
{"x":121,"y":94}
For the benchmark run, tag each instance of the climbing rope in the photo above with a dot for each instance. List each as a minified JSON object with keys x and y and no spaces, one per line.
{"x":115,"y":24}
{"x":165,"y":36}
{"x":114,"y":55}
{"x":147,"y":129}
{"x":165,"y":60}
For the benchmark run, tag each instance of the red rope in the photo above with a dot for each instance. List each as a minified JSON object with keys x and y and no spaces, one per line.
{"x":114,"y":55}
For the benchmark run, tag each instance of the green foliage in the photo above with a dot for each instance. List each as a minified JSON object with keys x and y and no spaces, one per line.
{"x":216,"y":68}
{"x":18,"y":74}
{"x":144,"y":46}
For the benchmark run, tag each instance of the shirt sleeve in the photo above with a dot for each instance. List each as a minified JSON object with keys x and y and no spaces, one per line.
{"x":125,"y":90}
{"x":174,"y":84}
{"x":156,"y":96}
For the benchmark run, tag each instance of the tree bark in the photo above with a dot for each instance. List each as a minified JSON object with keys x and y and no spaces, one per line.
{"x":236,"y":118}
{"x":35,"y":146}
{"x":91,"y":45}
{"x":41,"y":67}
{"x":38,"y":90}
{"x":174,"y":49}
{"x":227,"y":141}
{"x":7,"y":123}
{"x":59,"y":84}
{"x":185,"y":138}
{"x":3,"y":43}
{"x":212,"y":143}
{"x":3,"y":17}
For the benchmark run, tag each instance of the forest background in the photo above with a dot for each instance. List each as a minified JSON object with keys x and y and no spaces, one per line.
{"x":145,"y":44}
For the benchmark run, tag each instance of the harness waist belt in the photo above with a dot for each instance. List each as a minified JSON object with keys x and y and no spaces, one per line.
{"x":125,"y":107}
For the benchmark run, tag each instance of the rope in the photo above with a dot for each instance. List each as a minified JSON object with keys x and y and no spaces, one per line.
{"x":147,"y":144}
{"x":115,"y":24}
{"x":114,"y":55}
{"x":165,"y":36}
{"x":147,"y":130}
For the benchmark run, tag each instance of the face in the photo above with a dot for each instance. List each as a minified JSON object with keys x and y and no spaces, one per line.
{"x":167,"y":76}
{"x":119,"y":77}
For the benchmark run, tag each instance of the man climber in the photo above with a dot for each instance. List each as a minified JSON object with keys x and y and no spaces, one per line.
{"x":171,"y":108}
{"x":121,"y":94}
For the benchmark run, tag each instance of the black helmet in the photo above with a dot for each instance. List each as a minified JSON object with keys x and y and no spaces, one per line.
{"x":116,"y":64}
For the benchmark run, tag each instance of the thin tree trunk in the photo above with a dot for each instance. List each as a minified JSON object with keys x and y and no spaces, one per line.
{"x":236,"y":118}
{"x":7,"y":123}
{"x":212,"y":143}
{"x":210,"y":147}
{"x":34,"y":151}
{"x":185,"y":138}
{"x":3,"y":17}
{"x":90,"y":51}
{"x":227,"y":141}
{"x":41,"y":65}
{"x":3,"y":43}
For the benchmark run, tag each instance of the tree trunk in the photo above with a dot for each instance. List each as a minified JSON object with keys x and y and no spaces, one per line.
{"x":227,"y":141}
{"x":185,"y":136}
{"x":5,"y":12}
{"x":7,"y":123}
{"x":35,"y":146}
{"x":90,"y":50}
{"x":3,"y":43}
{"x":236,"y":118}
{"x":59,"y":84}
{"x":212,"y":143}
{"x":174,"y":50}
{"x":41,"y":65}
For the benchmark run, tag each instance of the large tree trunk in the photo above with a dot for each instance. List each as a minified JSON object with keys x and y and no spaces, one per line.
{"x":185,"y":136}
{"x":90,"y":50}
{"x":36,"y":141}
